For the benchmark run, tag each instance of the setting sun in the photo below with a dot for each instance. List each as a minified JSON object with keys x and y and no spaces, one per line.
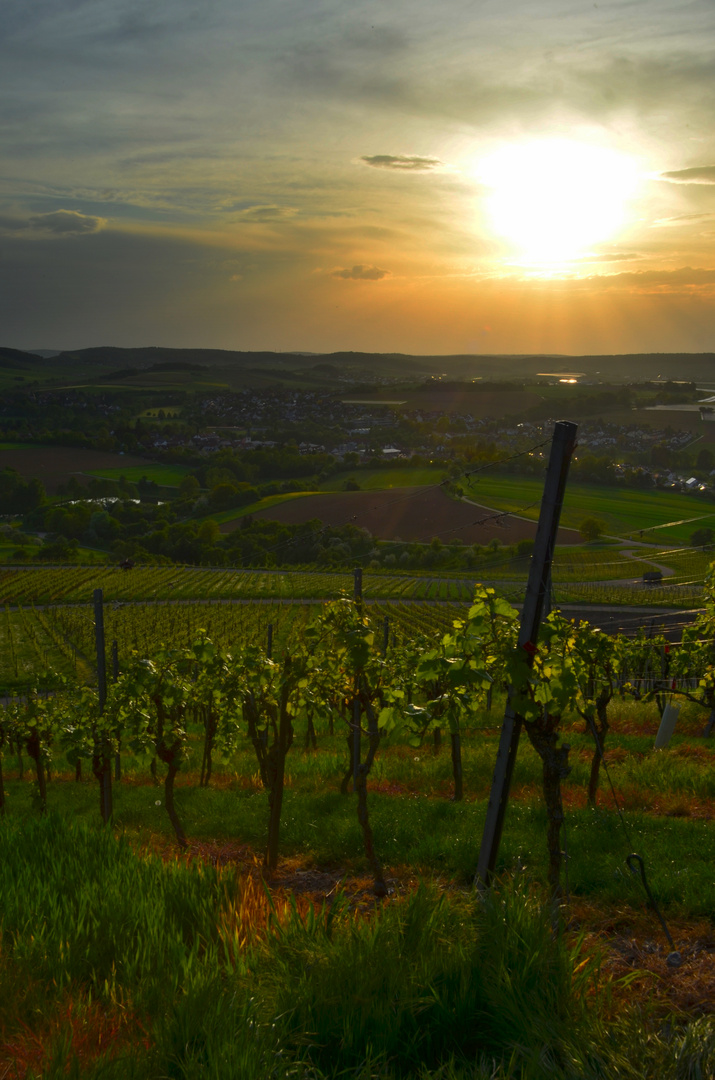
{"x":552,"y":198}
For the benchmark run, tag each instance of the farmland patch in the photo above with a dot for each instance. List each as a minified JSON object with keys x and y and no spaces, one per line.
{"x":54,"y":465}
{"x":378,"y":479}
{"x":163,"y":475}
{"x":663,"y":516}
{"x":413,"y":514}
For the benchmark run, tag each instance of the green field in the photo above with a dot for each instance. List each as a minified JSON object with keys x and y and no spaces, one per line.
{"x":253,"y":508}
{"x":163,"y":475}
{"x":623,"y":510}
{"x":380,"y":479}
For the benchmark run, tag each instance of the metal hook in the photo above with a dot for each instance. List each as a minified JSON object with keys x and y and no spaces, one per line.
{"x":674,"y":959}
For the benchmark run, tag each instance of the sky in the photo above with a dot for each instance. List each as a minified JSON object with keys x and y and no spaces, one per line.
{"x":491,"y":176}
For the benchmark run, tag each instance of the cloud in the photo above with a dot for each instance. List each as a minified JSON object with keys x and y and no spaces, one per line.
{"x":402,"y":162}
{"x":704,"y":174}
{"x":266,"y":214}
{"x":361,"y":273}
{"x":616,"y":256}
{"x":683,"y":219}
{"x":67,"y":222}
{"x":686,"y":278}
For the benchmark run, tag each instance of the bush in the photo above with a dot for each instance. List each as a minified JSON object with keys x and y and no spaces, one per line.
{"x":591,"y":528}
{"x":702,"y":538}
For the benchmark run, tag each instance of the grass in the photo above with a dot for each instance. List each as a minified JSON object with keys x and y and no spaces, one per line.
{"x":197,"y":972}
{"x":434,"y":837}
{"x":623,"y":510}
{"x":253,"y":508}
{"x":163,"y":475}
{"x":222,"y":985}
{"x":380,"y":479}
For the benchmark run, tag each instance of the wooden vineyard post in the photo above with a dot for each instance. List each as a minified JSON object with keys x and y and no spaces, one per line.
{"x":100,"y":762}
{"x":537,"y":590}
{"x":115,"y":676}
{"x":269,"y":641}
{"x":357,"y":596}
{"x":99,"y":643}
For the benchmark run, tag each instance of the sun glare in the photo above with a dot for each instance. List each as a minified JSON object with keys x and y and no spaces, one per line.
{"x":552,"y":199}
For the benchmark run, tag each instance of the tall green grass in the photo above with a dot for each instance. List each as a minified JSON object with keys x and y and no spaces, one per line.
{"x":446,"y":986}
{"x":428,"y":981}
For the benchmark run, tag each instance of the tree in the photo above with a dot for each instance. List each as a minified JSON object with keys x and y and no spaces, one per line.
{"x":706,"y":460}
{"x":189,"y":487}
{"x":209,"y":532}
{"x":591,"y":528}
{"x":702,"y":538}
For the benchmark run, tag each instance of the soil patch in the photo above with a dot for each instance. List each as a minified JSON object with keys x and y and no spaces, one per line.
{"x":411,"y":514}
{"x":54,"y":465}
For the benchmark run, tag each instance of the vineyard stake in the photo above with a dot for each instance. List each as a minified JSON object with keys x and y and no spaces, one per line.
{"x":357,"y":596}
{"x":537,"y":589}
{"x":99,"y":643}
{"x":100,"y":763}
{"x":115,"y":676}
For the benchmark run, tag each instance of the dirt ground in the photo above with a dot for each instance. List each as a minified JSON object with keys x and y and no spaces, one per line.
{"x":411,"y":514}
{"x":54,"y":465}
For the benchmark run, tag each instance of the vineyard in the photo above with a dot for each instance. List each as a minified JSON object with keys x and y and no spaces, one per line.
{"x":214,"y":678}
{"x":338,"y":747}
{"x":598,"y":576}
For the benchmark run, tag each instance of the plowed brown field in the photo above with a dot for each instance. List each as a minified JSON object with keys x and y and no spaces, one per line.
{"x":54,"y":465}
{"x":414,"y":514}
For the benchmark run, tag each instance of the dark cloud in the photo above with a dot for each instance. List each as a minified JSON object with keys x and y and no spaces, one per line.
{"x":704,"y":174}
{"x":362,"y":273}
{"x":402,"y":162}
{"x":67,"y":222}
{"x":11,"y":224}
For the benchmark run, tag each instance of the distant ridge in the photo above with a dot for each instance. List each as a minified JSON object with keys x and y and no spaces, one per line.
{"x":624,"y":367}
{"x":16,"y":358}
